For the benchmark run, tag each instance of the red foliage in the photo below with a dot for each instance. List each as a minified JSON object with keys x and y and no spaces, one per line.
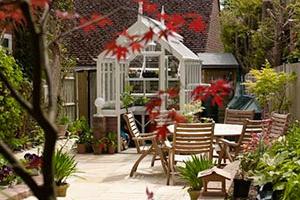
{"x":136,"y":47}
{"x":216,"y":91}
{"x":148,"y":36}
{"x":173,"y":92}
{"x":150,"y":194}
{"x":39,"y":3}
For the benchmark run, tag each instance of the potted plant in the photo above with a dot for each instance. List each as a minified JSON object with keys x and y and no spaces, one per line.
{"x":127,"y":98}
{"x":98,"y":145}
{"x":82,"y":131}
{"x":63,"y":125}
{"x":252,"y":152}
{"x":189,"y":173}
{"x":111,"y":142}
{"x":64,"y":167}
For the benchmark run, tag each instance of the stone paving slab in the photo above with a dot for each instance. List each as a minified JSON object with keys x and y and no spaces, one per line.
{"x":106,"y":177}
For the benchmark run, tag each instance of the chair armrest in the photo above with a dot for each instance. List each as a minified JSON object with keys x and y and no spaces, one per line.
{"x":147,"y":134}
{"x":227,"y":142}
{"x":145,"y":138}
{"x":168,"y":144}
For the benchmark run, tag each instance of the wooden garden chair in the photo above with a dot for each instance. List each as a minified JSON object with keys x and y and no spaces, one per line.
{"x":237,"y":116}
{"x":189,"y":139}
{"x":230,"y":149}
{"x":140,"y":139}
{"x":279,"y":124}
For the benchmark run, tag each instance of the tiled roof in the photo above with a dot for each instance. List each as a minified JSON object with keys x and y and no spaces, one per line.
{"x":88,"y":45}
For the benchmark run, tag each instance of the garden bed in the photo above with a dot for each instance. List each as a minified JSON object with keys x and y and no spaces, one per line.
{"x":19,"y":191}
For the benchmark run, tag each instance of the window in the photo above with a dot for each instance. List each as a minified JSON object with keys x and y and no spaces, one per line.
{"x":7,"y":41}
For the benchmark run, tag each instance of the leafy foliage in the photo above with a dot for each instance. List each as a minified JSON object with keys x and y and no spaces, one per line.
{"x":189,"y":172}
{"x":81,"y":129}
{"x":280,"y":165}
{"x":269,"y":88}
{"x":10,"y":110}
{"x":127,"y":98}
{"x":255,"y":30}
{"x":111,"y":139}
{"x":65,"y":166}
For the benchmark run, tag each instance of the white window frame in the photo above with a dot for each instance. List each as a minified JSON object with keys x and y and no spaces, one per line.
{"x":9,"y":38}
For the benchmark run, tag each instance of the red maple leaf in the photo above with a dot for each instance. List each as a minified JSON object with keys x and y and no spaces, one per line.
{"x":149,"y":7}
{"x":121,"y":52}
{"x":86,"y":28}
{"x":154,"y":102}
{"x":17,"y":15}
{"x":173,"y":92}
{"x":111,"y":47}
{"x":197,"y":24}
{"x":2,"y":15}
{"x":136,"y":47}
{"x":162,"y":132}
{"x":165,"y":33}
{"x":148,"y":36}
{"x":176,"y":19}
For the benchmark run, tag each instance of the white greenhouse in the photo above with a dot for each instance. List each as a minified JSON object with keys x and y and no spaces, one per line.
{"x":160,"y":65}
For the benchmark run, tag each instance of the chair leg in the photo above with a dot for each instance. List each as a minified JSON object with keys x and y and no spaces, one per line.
{"x":136,"y":164}
{"x":153,"y":159}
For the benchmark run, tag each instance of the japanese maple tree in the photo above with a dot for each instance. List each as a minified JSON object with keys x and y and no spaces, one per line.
{"x":35,"y":15}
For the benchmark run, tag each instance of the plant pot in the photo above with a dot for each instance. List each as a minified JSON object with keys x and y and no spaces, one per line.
{"x":98,"y":148}
{"x":266,"y":192}
{"x":81,"y":148}
{"x":241,"y":188}
{"x":61,"y":190}
{"x":111,"y":149}
{"x":194,"y":194}
{"x":61,"y":130}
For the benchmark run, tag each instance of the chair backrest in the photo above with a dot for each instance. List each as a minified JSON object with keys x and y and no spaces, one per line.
{"x":163,"y":119}
{"x":279,"y":124}
{"x":193,"y":138}
{"x":131,"y":125}
{"x":253,"y":127}
{"x":237,"y":116}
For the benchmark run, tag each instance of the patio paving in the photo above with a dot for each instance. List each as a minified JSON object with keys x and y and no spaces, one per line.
{"x":107,"y":177}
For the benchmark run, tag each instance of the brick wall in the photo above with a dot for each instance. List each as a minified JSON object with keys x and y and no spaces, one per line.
{"x":214,"y":43}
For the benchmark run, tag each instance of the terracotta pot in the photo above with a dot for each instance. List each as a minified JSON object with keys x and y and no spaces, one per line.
{"x":81,"y":148}
{"x":111,"y":149}
{"x":62,"y":130}
{"x":61,"y":190}
{"x":98,"y":148}
{"x":194,"y":194}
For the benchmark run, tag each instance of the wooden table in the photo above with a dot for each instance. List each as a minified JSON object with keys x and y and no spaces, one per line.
{"x":221,"y":130}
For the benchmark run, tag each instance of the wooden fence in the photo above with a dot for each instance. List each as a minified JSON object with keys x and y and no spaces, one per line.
{"x":68,"y":96}
{"x":293,"y":91}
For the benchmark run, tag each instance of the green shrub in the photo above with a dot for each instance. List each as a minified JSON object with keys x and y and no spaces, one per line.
{"x":270,"y":87}
{"x":10,"y":111}
{"x":280,"y":165}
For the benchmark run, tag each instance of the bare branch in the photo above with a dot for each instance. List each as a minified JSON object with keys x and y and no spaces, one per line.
{"x":43,"y":20}
{"x":86,"y":24}
{"x":18,"y":168}
{"x":16,"y":94}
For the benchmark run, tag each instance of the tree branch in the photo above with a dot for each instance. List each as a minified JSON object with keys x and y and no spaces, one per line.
{"x":24,"y":103}
{"x":18,"y":168}
{"x":86,"y":24}
{"x":37,"y":73}
{"x":43,"y":20}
